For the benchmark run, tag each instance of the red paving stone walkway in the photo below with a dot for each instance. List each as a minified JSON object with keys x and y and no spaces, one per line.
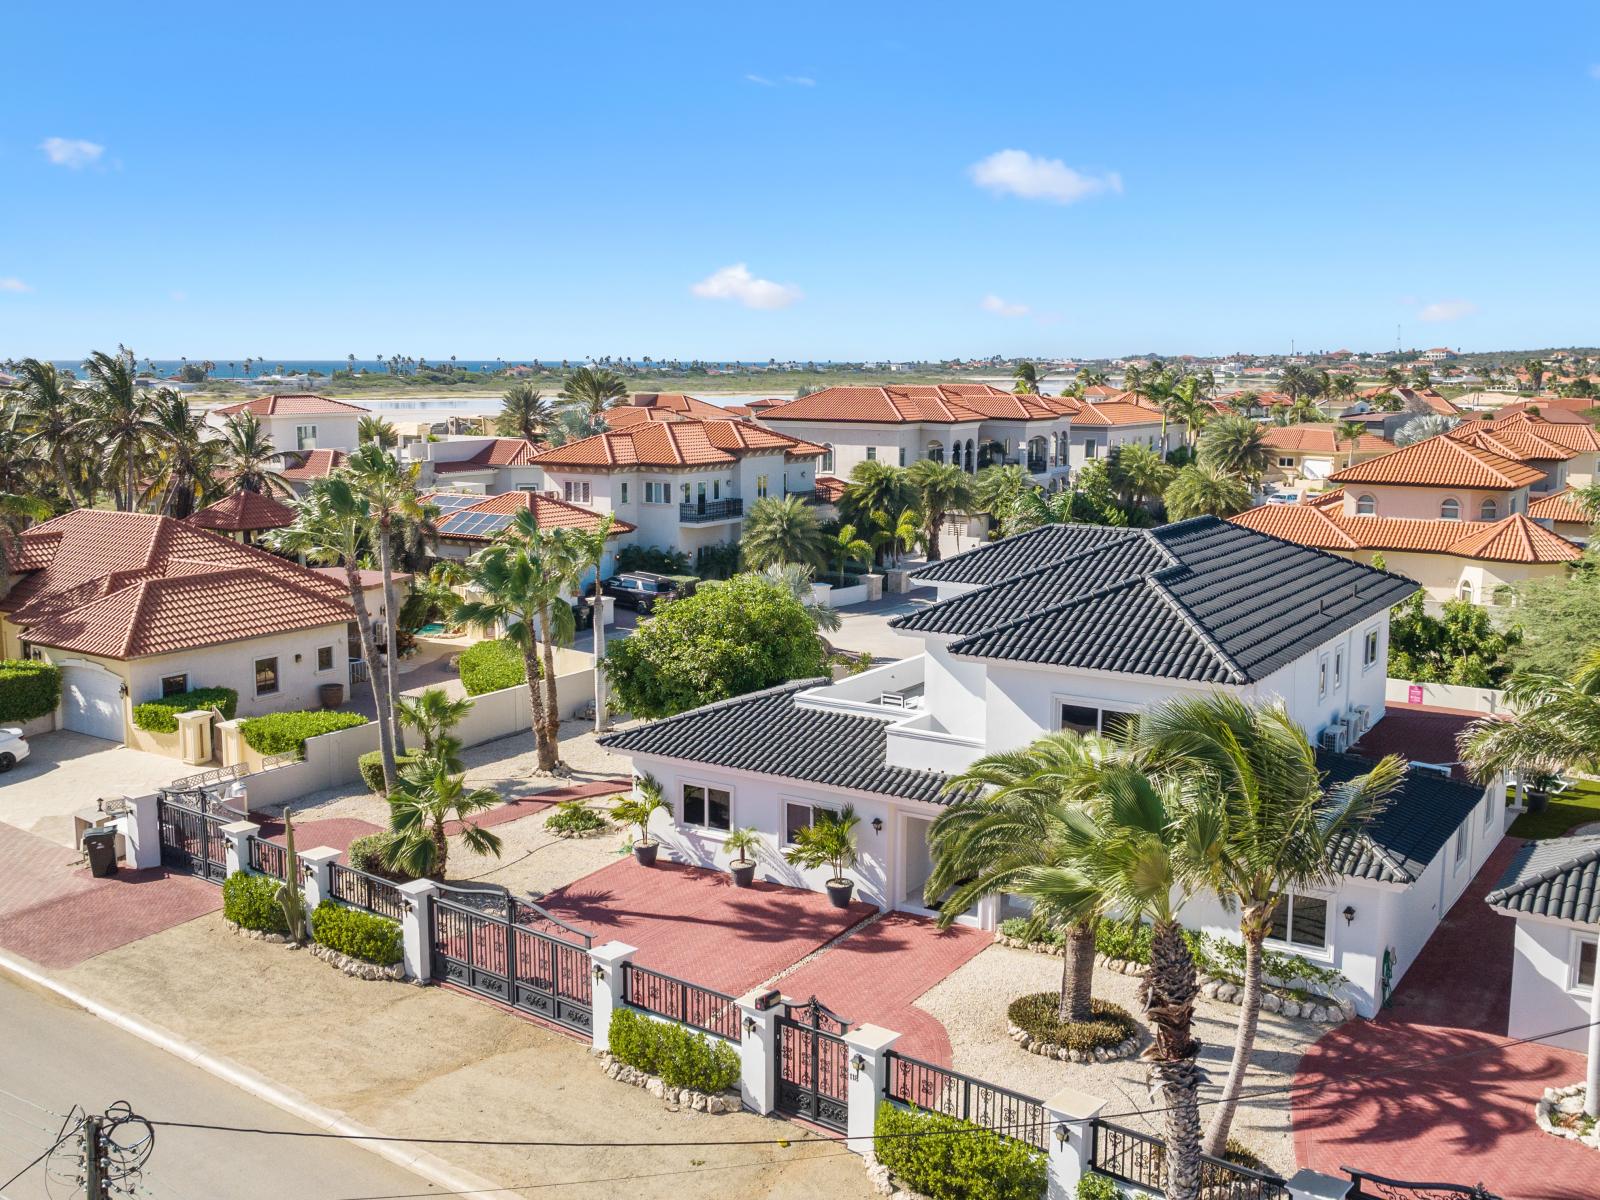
{"x":874,"y":975}
{"x":693,"y":923}
{"x":1463,"y":1121}
{"x":55,"y":913}
{"x":335,"y":832}
{"x":523,"y":806}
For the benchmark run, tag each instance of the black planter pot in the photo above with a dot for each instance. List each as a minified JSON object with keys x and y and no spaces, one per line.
{"x":645,"y":853}
{"x":839,"y":892}
{"x":1537,"y":799}
{"x":744,"y":874}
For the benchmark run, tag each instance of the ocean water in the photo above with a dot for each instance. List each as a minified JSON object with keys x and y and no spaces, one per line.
{"x":234,"y":368}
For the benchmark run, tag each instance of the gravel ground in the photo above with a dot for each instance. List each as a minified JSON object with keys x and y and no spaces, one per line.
{"x":971,"y":1004}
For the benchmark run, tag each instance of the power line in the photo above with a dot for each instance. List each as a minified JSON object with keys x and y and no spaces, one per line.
{"x":47,"y":1153}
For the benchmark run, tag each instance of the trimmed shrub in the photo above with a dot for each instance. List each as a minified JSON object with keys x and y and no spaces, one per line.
{"x":161,"y":716}
{"x":681,"y":1057}
{"x":1092,"y":1186}
{"x":366,"y":854}
{"x":370,"y":765}
{"x":251,"y":902}
{"x":491,"y":666}
{"x":29,"y":688}
{"x":1111,"y":1026}
{"x":656,"y":559}
{"x":362,"y":935}
{"x":572,"y":819}
{"x":960,"y":1161}
{"x":281,"y":732}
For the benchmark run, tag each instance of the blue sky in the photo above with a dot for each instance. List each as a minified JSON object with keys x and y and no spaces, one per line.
{"x":814,"y":181}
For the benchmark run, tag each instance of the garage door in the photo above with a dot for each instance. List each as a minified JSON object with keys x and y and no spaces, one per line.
{"x":91,"y":702}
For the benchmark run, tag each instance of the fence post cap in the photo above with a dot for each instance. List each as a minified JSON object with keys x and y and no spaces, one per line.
{"x":1307,"y":1184}
{"x":417,"y":888}
{"x":318,"y":855}
{"x":872,"y":1039}
{"x":1072,"y":1105}
{"x":613,"y":953}
{"x":240,"y":829}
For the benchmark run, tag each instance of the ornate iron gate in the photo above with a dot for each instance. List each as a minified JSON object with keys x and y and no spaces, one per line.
{"x":1375,"y":1187}
{"x":813,"y":1065}
{"x":491,"y":943}
{"x":191,"y":839}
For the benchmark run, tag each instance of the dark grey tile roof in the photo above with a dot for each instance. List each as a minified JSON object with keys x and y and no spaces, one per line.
{"x":1018,"y":554}
{"x":1555,"y":878}
{"x":767,"y":732}
{"x":1202,"y":599}
{"x":1397,"y":845}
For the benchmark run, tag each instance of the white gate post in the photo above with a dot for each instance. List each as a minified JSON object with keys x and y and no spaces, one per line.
{"x":869,"y":1074}
{"x":1070,"y":1116}
{"x":141,"y":831}
{"x":606,"y":994}
{"x":238,"y":834}
{"x":314,"y":864}
{"x":758,"y":1054}
{"x":1309,"y":1185}
{"x":417,"y":950}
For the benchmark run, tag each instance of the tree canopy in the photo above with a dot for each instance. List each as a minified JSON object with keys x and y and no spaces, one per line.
{"x":1462,"y":646}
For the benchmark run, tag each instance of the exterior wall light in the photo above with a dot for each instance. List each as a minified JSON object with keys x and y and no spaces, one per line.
{"x":1349,"y":913}
{"x":857,"y":1064}
{"x":877,"y":824}
{"x":749,"y":1025}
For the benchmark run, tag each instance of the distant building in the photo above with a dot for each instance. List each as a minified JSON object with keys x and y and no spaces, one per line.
{"x":1437,"y":354}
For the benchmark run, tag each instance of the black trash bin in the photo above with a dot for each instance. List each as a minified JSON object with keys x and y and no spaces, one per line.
{"x":101,"y":847}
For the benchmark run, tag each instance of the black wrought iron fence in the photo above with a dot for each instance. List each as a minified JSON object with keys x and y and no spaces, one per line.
{"x":1139,"y":1159}
{"x":268,"y":858}
{"x":369,"y":892}
{"x":679,"y":1000}
{"x":938,"y":1089}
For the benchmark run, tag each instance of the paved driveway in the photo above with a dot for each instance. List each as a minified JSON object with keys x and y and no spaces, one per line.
{"x":866,"y":626}
{"x":67,"y":772}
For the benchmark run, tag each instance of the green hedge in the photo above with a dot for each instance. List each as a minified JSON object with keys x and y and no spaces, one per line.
{"x":366,"y":854}
{"x":491,"y":666}
{"x":682,"y":1058}
{"x":370,"y":765}
{"x":251,"y":902}
{"x":1093,"y":1186}
{"x":161,"y":716}
{"x":279,"y":733}
{"x":362,"y":935}
{"x":959,"y":1161}
{"x":29,"y":688}
{"x":1111,"y":1024}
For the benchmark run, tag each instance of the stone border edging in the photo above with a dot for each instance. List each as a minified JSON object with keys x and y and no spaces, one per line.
{"x":429,"y":1166}
{"x":1551,"y":1100}
{"x":675,"y":1099}
{"x":1126,"y":1048}
{"x":359,"y":968}
{"x":883,"y":1180}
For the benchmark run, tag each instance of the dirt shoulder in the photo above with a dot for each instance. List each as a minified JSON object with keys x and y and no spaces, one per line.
{"x":432,"y":1063}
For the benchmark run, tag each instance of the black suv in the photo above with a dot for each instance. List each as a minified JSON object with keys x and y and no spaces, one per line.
{"x":640,"y":590}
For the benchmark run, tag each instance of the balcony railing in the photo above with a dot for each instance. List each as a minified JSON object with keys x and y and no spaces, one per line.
{"x":710,"y":510}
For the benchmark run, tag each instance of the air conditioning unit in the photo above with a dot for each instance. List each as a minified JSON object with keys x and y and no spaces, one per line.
{"x":1361,"y":717}
{"x":554,"y":493}
{"x":1333,"y":738}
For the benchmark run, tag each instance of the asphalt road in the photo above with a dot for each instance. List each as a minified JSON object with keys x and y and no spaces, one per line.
{"x":53,"y":1056}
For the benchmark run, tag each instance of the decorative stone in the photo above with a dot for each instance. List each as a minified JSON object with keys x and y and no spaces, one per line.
{"x":358,"y":968}
{"x":1271,"y":1003}
{"x":675,"y":1099}
{"x":1290,"y":1008}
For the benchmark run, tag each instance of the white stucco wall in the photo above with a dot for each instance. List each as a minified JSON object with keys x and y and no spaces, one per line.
{"x":233,"y":665}
{"x":1544,"y":990}
{"x":1424,"y":503}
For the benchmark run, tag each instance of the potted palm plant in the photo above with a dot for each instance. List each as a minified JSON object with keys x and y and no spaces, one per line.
{"x":1536,"y":786}
{"x":637,"y":810}
{"x":747,"y":843}
{"x":829,"y":841}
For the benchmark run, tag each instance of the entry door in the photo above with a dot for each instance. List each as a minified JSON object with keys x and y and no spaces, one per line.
{"x":91,"y":702}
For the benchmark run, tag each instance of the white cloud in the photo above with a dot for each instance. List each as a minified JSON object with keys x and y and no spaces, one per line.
{"x":736,"y":283}
{"x":75,"y":153}
{"x":1018,"y":173}
{"x":993,"y":304}
{"x":13,"y":285}
{"x":761,"y":79}
{"x":800,"y":80}
{"x":786,"y":81}
{"x":1447,"y":310}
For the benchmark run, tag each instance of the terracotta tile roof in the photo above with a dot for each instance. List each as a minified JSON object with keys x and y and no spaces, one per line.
{"x":1578,"y":436}
{"x":1562,"y":507}
{"x":1514,"y":539}
{"x":244,"y":512}
{"x":1442,"y":461}
{"x":1106,"y":413}
{"x":654,"y":406}
{"x":1318,"y":437}
{"x":128,"y":585}
{"x":1430,"y":398}
{"x":1333,"y":498}
{"x":944,"y":403}
{"x":1563,"y":410}
{"x":502,"y":452}
{"x":316,"y":464}
{"x":293,"y":405}
{"x":830,"y":488}
{"x":690,"y":443}
{"x":1519,"y":442}
{"x":481,"y":522}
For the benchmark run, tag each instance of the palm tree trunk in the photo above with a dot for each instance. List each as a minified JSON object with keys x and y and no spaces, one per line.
{"x":441,"y":851}
{"x":392,"y":657}
{"x":369,"y":649}
{"x":1244,"y":1039}
{"x":541,"y":734}
{"x":1077,"y":973}
{"x":1168,"y":993}
{"x":552,"y":702}
{"x":933,"y":536}
{"x":600,"y":723}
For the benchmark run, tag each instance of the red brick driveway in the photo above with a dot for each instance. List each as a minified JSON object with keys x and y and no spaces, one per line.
{"x":1375,"y":1095}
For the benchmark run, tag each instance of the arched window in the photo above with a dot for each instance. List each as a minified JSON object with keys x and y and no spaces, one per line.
{"x":827,"y":459}
{"x":1366,"y":505}
{"x":1450,"y":510}
{"x":936,"y":452}
{"x":972,"y":454}
{"x":1466,"y":590}
{"x":1489,"y":511}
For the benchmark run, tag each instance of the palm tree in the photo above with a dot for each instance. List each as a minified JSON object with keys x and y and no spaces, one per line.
{"x":426,"y":797}
{"x":797,"y":580}
{"x":848,"y":548}
{"x":330,"y":526}
{"x":1159,"y":390}
{"x":1421,"y":428}
{"x":1189,"y":405}
{"x":1421,"y":377}
{"x":376,"y":431}
{"x":589,"y":551}
{"x":1556,"y":726}
{"x":1037,"y":507}
{"x":1026,"y":375}
{"x":1351,"y":432}
{"x":1536,"y":372}
{"x":50,"y":415}
{"x":248,"y":457}
{"x":433,"y":713}
{"x":589,"y":391}
{"x":1138,"y":472}
{"x":875,"y":487}
{"x":996,"y":490}
{"x":1295,"y":382}
{"x":518,"y":582}
{"x":941,"y":488}
{"x":184,"y":468}
{"x":1277,"y":826}
{"x":1394,"y":377}
{"x":1305,"y":409}
{"x":1199,"y":490}
{"x":117,"y":416}
{"x":1236,"y":445}
{"x":15,"y":513}
{"x":781,"y":530}
{"x":524,"y":413}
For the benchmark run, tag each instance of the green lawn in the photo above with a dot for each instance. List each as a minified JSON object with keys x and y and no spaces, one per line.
{"x":1578,"y":805}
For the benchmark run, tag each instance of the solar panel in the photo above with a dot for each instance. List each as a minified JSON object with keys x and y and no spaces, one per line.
{"x":479,"y":524}
{"x":449,"y":502}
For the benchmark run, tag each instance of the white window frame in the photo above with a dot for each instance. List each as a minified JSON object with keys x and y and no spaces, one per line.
{"x":872,"y":454}
{"x":1445,"y":504}
{"x":1286,"y":460}
{"x":708,"y":787}
{"x":1338,"y":668}
{"x":1370,"y":649}
{"x":1285,"y":945}
{"x":332,"y":664}
{"x":304,"y":434}
{"x":1575,"y":943}
{"x":1322,"y":676}
{"x":1366,"y":505}
{"x":1099,"y":705}
{"x":624,"y":484}
{"x":800,"y":802}
{"x":277,"y":674}
{"x":1461,"y":846}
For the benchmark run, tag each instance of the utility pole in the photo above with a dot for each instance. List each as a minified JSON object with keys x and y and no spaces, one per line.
{"x":94,"y":1159}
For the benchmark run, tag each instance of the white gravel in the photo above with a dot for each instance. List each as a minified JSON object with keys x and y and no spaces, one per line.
{"x":972,"y":1006}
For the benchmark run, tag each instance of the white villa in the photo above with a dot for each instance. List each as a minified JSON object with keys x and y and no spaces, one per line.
{"x":298,"y":423}
{"x":1084,"y":627}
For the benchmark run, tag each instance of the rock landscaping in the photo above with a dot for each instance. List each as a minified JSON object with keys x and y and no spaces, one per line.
{"x":885,"y":1184}
{"x":358,"y":968}
{"x":676,"y":1099}
{"x":261,"y":935}
{"x":1560,"y":1114}
{"x":1123,"y":1049}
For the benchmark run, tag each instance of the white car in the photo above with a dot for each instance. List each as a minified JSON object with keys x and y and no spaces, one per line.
{"x":13,"y":748}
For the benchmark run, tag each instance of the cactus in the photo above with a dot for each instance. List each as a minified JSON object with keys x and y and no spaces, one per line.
{"x":289,"y":898}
